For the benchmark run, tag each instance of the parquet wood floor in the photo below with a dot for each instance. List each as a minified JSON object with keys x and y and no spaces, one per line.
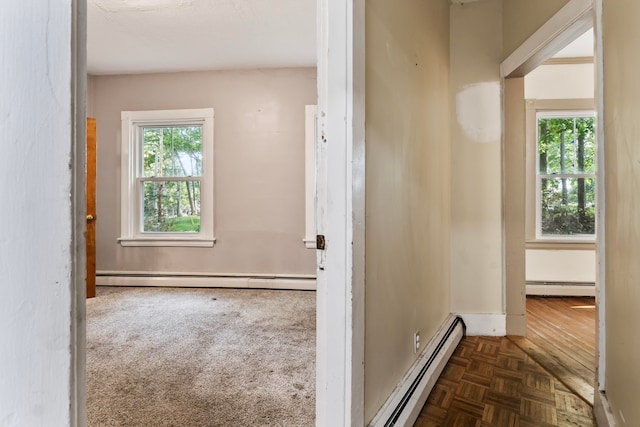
{"x":561,"y":336}
{"x":543,"y":379}
{"x":489,"y":381}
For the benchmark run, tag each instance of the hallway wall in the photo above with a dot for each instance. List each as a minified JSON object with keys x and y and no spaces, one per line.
{"x":622,"y":224}
{"x":476,"y":162}
{"x":407,"y":186}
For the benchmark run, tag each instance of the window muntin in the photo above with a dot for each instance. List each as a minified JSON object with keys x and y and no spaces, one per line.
{"x":170,"y":183}
{"x":565,"y":181}
{"x":167,"y":181}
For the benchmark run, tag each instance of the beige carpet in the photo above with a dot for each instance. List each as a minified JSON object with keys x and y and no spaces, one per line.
{"x":200,"y":357}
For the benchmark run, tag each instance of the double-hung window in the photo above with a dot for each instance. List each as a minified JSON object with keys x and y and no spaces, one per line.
{"x":565,"y":175}
{"x":167,"y":178}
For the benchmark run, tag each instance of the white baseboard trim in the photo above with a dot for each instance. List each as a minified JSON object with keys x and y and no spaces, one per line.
{"x":602,"y":410}
{"x":485,"y":324}
{"x":405,"y":403}
{"x":561,"y":289}
{"x":204,"y":281}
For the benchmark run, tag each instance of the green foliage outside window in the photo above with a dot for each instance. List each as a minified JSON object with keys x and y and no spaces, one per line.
{"x":174,"y":153}
{"x":566,"y":173}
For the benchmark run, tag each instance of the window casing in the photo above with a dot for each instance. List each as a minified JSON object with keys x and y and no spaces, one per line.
{"x":565,"y":175}
{"x":167,"y":178}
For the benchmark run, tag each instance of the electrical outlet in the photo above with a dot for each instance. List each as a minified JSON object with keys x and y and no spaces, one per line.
{"x":416,"y":341}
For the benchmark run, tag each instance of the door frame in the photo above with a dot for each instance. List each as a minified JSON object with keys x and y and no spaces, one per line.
{"x":571,"y":21}
{"x":340,"y":307}
{"x":340,"y":206}
{"x":78,"y":359}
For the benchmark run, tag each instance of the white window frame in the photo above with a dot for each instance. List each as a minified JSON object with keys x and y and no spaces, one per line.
{"x":131,"y":233}
{"x":558,"y":113}
{"x":311,"y":112}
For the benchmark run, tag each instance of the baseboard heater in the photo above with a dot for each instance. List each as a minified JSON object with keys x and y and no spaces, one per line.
{"x":186,"y":280}
{"x":577,"y":289}
{"x":405,"y":403}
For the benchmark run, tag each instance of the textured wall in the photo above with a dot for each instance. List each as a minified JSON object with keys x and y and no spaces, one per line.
{"x":476,"y":162}
{"x":622,"y":224}
{"x":35,"y":220}
{"x":259,"y":168}
{"x":407,"y":186}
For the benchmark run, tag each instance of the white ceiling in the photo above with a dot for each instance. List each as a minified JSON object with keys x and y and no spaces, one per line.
{"x":139,"y":36}
{"x":580,"y":48}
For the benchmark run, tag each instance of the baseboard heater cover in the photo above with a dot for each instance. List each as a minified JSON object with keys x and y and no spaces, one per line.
{"x":204,"y":281}
{"x":404,"y":405}
{"x":561,"y":289}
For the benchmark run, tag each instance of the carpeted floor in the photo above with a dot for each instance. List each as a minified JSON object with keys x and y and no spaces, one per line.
{"x":200,"y":357}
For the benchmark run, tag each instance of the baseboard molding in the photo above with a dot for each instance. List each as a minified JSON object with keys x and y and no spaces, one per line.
{"x":481,"y":324}
{"x":602,"y":410}
{"x":206,"y":281}
{"x":561,"y":289}
{"x":404,"y":405}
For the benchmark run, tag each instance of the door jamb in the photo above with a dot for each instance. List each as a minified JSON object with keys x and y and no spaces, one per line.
{"x":571,"y":21}
{"x":340,"y":309}
{"x":77,"y":380}
{"x":340,"y":214}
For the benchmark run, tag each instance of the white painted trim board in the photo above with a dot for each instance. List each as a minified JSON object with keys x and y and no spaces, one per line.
{"x":340,"y":214}
{"x":561,"y":29}
{"x":485,"y":324}
{"x":436,"y":353}
{"x":601,"y":295}
{"x":602,"y":411}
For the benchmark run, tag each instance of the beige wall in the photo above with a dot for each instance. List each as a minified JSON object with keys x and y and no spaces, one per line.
{"x":259,"y":168}
{"x":622,"y":224}
{"x":476,"y":165}
{"x":407,"y":186}
{"x":560,"y":81}
{"x":523,"y":17}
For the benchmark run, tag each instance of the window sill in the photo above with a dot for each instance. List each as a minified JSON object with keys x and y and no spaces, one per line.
{"x":167,"y":242}
{"x":584,"y":245}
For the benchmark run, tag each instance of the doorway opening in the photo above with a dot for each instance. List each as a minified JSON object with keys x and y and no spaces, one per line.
{"x":151,"y":56}
{"x":560,"y":216}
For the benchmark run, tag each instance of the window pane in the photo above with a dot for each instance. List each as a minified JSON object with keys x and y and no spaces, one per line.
{"x":566,"y":145}
{"x":171,"y":206}
{"x":172,"y":151}
{"x":568,"y":206}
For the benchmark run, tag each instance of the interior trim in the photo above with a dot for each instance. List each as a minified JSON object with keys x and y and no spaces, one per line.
{"x":602,"y":410}
{"x":572,"y":20}
{"x":485,"y":324}
{"x":569,"y":61}
{"x":561,"y":246}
